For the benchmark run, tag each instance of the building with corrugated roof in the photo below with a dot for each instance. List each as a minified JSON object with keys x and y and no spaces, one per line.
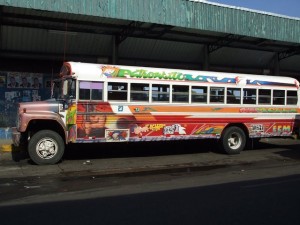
{"x":37,"y":36}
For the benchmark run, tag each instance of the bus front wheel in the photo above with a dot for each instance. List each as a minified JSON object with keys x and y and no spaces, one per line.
{"x":46,"y":147}
{"x":233,"y":140}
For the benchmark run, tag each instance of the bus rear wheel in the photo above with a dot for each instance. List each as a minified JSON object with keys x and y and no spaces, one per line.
{"x":233,"y":140}
{"x":46,"y":147}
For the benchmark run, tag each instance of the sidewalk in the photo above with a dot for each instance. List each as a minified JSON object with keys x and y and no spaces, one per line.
{"x":281,"y":153}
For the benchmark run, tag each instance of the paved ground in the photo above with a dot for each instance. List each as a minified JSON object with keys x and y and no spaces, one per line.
{"x":139,"y":157}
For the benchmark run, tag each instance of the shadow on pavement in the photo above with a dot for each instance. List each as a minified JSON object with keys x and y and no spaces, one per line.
{"x":138,"y":149}
{"x":161,"y":148}
{"x":290,"y":148}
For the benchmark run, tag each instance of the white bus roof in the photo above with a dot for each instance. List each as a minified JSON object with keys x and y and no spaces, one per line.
{"x":97,"y":72}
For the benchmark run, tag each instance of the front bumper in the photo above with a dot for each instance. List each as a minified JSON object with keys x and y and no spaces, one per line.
{"x":16,"y":136}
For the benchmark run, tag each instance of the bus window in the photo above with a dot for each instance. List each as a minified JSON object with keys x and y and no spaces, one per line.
{"x":139,"y":92}
{"x":160,"y":93}
{"x":291,"y":98}
{"x":90,"y":90}
{"x":199,"y":94}
{"x":180,"y":93}
{"x":97,"y":91}
{"x":278,"y":97}
{"x":117,"y":91}
{"x":234,"y":95}
{"x":217,"y":94}
{"x":84,"y":90}
{"x":264,"y":96}
{"x":249,"y":96}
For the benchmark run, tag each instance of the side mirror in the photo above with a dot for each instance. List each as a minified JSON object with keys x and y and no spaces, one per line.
{"x":65,"y":87}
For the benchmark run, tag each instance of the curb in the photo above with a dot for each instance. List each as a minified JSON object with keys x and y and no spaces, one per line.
{"x":6,"y":152}
{"x":5,"y":148}
{"x":5,"y":156}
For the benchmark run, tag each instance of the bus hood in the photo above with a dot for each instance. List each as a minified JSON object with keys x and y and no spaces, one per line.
{"x":41,"y":106}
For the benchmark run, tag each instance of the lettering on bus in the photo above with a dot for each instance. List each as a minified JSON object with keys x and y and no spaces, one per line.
{"x":282,"y":129}
{"x":257,"y":128}
{"x":113,"y":71}
{"x":156,"y":127}
{"x":173,"y":129}
{"x":267,"y":110}
{"x":142,"y":73}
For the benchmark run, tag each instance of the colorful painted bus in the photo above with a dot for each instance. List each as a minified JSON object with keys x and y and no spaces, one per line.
{"x":113,"y":103}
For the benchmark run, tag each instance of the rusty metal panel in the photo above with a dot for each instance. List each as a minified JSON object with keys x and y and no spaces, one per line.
{"x":179,"y":13}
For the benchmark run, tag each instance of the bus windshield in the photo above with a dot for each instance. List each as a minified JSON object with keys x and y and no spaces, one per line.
{"x":64,"y":89}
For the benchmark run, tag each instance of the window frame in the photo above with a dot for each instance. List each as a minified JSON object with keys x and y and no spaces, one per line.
{"x":185,"y":94}
{"x":124,"y":93}
{"x":90,"y":90}
{"x":167,"y":93}
{"x":147,"y":92}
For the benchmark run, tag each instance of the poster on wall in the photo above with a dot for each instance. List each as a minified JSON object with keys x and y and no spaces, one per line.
{"x":37,"y":80}
{"x":13,"y":80}
{"x":16,"y":87}
{"x":24,"y":80}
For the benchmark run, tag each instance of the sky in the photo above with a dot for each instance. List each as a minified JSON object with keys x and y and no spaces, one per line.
{"x":284,"y":7}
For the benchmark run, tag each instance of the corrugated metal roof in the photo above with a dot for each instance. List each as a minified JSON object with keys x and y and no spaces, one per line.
{"x":164,"y":50}
{"x":38,"y":40}
{"x":180,"y":13}
{"x":27,"y":33}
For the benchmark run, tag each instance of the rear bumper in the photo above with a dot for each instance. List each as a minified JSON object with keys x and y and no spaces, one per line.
{"x":16,"y":136}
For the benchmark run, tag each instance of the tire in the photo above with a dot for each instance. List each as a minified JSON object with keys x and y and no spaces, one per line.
{"x":233,"y":140}
{"x":46,"y":147}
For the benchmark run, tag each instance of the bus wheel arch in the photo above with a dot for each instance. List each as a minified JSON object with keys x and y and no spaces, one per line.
{"x":36,"y":125}
{"x":234,"y":138}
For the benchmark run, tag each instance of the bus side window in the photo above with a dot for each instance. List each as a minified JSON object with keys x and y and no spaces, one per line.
{"x":249,"y":96}
{"x":90,"y":90}
{"x":199,"y":94}
{"x":180,"y":93}
{"x":117,"y":91}
{"x":97,"y":91}
{"x":233,"y":95}
{"x":160,"y":93}
{"x":139,"y":92}
{"x":217,"y":95}
{"x":264,"y":96}
{"x":292,"y":98}
{"x":278,"y":97}
{"x":84,"y":90}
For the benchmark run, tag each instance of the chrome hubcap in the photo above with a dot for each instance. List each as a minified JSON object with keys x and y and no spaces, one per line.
{"x":234,"y":141}
{"x":46,"y":148}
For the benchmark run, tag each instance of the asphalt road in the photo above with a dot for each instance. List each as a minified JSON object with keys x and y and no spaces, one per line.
{"x":265,"y":201}
{"x":130,"y":184}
